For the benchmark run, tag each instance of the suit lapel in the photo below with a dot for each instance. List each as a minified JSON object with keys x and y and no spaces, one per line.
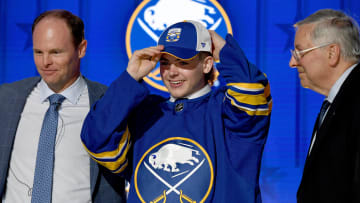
{"x":16,"y":104}
{"x":321,"y":133}
{"x":309,"y":154}
{"x":12,"y":106}
{"x":345,"y":89}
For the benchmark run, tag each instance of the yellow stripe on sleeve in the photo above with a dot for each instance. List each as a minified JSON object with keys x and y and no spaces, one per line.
{"x":114,"y":153}
{"x":267,"y":90}
{"x":124,"y":142}
{"x":258,"y":99}
{"x":252,"y":112}
{"x":247,"y":86}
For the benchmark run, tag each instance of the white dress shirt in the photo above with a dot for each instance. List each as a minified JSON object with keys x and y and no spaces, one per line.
{"x":71,"y":181}
{"x":332,"y":94}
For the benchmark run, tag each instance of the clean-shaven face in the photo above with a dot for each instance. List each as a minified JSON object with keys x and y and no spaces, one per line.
{"x":312,"y":66}
{"x":56,"y":58}
{"x":182,"y":77}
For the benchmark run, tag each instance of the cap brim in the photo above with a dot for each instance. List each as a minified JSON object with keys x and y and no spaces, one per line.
{"x":181,"y":53}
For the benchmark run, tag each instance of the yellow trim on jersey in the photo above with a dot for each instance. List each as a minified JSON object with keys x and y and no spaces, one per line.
{"x":115,"y":164}
{"x":267,"y":90}
{"x":247,"y":86}
{"x":122,"y":168}
{"x":251,"y":111}
{"x":124,"y":142}
{"x":257,"y":99}
{"x":270,"y":105}
{"x":114,"y":153}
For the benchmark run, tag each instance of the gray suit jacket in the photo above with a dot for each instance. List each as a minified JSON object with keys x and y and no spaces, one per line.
{"x":105,"y":186}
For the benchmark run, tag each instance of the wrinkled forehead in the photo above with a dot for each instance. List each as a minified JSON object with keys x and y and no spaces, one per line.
{"x":303,"y":35}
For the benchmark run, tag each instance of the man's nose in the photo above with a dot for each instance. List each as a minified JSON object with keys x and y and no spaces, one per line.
{"x":173,"y":70}
{"x":293,"y":63}
{"x":47,"y":60}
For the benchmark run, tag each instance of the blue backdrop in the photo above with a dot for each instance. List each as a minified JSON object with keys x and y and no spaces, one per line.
{"x":262,"y":28}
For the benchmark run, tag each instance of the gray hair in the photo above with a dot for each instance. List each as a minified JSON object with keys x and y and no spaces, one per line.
{"x":337,"y":27}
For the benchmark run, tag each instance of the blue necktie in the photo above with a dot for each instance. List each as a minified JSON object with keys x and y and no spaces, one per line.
{"x":325,"y":105}
{"x":43,"y":179}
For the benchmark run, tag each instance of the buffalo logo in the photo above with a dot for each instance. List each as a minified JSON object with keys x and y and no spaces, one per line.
{"x":152,"y":17}
{"x":174,"y":170}
{"x":171,"y":154}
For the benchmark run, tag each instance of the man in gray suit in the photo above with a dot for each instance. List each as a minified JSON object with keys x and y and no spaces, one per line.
{"x":58,"y":44}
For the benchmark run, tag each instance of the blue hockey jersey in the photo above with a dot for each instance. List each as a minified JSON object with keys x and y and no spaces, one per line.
{"x":206,"y":149}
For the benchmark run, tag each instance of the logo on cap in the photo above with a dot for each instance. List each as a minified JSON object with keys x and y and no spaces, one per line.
{"x":152,"y":17}
{"x":173,"y":35}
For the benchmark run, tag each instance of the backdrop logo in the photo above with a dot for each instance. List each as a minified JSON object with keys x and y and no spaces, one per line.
{"x":176,"y":169}
{"x":152,"y":17}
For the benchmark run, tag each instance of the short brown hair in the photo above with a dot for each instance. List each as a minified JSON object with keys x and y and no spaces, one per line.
{"x":210,"y":76}
{"x":75,"y":24}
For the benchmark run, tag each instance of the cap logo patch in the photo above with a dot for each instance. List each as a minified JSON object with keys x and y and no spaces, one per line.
{"x":173,"y":35}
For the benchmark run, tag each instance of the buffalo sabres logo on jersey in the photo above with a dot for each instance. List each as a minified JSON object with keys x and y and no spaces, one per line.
{"x":174,"y":170}
{"x":152,"y":17}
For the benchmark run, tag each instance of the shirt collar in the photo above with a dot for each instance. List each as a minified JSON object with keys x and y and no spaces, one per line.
{"x":206,"y":89}
{"x":71,"y":93}
{"x":335,"y":88}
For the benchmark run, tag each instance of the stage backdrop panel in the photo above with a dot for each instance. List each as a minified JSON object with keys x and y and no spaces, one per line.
{"x":114,"y":29}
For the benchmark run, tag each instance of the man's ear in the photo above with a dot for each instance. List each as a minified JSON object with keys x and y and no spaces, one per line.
{"x":334,"y":52}
{"x":82,"y":48}
{"x":208,"y":64}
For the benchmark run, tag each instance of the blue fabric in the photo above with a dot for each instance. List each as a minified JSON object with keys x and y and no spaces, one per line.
{"x":325,"y":105}
{"x":43,"y":178}
{"x":206,"y":149}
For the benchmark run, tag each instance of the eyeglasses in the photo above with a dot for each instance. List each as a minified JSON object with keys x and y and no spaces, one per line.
{"x":299,"y":54}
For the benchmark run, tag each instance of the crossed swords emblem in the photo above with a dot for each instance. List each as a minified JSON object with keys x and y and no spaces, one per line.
{"x":173,"y":188}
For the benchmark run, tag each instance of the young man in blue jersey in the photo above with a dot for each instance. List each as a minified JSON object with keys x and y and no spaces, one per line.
{"x":198,"y":145}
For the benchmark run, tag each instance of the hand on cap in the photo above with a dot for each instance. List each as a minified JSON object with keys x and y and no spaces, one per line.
{"x":143,"y":61}
{"x":217,"y":43}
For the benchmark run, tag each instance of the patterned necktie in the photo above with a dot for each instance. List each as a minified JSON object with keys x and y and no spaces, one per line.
{"x":325,"y":105}
{"x":42,"y":187}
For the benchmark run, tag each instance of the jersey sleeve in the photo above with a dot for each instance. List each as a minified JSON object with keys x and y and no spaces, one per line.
{"x":105,"y":133}
{"x":248,"y":102}
{"x":246,"y":109}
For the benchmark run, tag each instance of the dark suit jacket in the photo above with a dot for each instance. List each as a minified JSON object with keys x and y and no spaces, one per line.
{"x":331,"y":171}
{"x":105,"y":187}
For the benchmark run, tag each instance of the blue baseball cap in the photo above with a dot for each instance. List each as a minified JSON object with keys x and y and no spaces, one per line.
{"x":185,"y":39}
